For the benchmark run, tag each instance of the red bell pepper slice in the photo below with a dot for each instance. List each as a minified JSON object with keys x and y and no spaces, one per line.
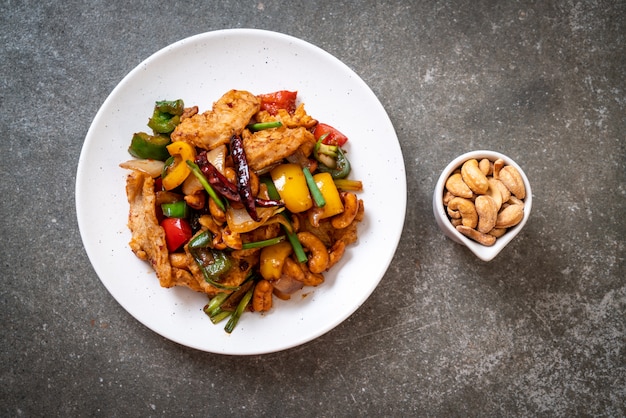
{"x":282,"y":99}
{"x":177,"y":232}
{"x":333,"y":136}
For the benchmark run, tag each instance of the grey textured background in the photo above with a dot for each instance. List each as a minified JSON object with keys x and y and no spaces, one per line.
{"x":540,"y":331}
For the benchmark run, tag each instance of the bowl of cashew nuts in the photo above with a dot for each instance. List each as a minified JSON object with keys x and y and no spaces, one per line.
{"x":482,"y":200}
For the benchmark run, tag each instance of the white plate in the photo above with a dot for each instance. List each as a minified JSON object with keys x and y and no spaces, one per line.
{"x":199,"y":70}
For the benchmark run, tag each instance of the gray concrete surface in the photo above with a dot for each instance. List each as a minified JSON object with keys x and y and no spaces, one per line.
{"x":540,"y":331}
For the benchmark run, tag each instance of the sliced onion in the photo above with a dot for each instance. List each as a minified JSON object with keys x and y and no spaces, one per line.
{"x":153,"y":168}
{"x":192,"y":185}
{"x":240,"y":221}
{"x":285,"y":286}
{"x":217,"y":157}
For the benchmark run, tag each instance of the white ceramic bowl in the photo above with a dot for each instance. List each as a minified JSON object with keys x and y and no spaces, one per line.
{"x":483,"y":252}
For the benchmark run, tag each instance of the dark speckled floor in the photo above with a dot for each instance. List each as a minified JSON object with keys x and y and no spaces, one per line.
{"x":539,"y":331}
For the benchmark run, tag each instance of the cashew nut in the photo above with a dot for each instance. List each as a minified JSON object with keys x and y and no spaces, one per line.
{"x":315,"y":215}
{"x":218,"y":214}
{"x":292,"y":269}
{"x":498,"y":191}
{"x":484,"y":239}
{"x":514,"y":201}
{"x":295,"y":222}
{"x":487,"y":211}
{"x":510,"y":216}
{"x":473,"y":177}
{"x":456,"y":222}
{"x":311,"y":278}
{"x":301,"y":273}
{"x":457,"y":186}
{"x":254,"y":183}
{"x":497,"y":232}
{"x":497,"y":166}
{"x":467,"y":210}
{"x":230,"y":174}
{"x":209,"y":223}
{"x":454,"y":214}
{"x":336,"y":252}
{"x":350,"y":207}
{"x":262,"y":296}
{"x":318,"y":257}
{"x":513,"y":181}
{"x":485,"y":166}
{"x":447,"y":196}
{"x":230,"y":239}
{"x":195,"y":200}
{"x":494,"y":193}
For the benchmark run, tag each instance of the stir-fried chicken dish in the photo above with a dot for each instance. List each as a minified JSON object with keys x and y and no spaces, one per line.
{"x":245,"y":202}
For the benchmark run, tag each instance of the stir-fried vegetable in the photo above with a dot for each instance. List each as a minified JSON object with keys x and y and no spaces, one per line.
{"x":212,"y":263}
{"x":234,"y":319}
{"x":330,"y":135}
{"x":166,"y":116}
{"x":175,"y":176}
{"x":330,"y":194}
{"x":291,"y":185}
{"x":288,"y":228}
{"x":177,"y":232}
{"x":263,"y":243}
{"x":339,"y":168}
{"x":316,"y":193}
{"x":175,"y":209}
{"x":203,"y":181}
{"x":272,"y":259}
{"x":349,"y":185}
{"x":149,"y":146}
{"x":255,"y":127}
{"x":329,"y":153}
{"x":273,"y":102}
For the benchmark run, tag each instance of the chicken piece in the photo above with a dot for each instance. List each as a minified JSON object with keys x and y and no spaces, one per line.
{"x":148,"y":238}
{"x":229,"y":116}
{"x":270,"y":146}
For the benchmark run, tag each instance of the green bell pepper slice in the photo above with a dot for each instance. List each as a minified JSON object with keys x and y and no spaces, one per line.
{"x":175,"y":209}
{"x":212,"y":263}
{"x":166,"y":116}
{"x":151,"y":147}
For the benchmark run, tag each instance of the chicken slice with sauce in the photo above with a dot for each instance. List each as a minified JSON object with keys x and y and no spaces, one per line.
{"x":229,"y":116}
{"x":148,"y":238}
{"x":267,"y":147}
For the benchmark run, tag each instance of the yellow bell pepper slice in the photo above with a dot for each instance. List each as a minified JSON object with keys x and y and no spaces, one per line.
{"x":272,"y":259}
{"x":327,"y":187}
{"x":177,"y":175}
{"x":292,"y":188}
